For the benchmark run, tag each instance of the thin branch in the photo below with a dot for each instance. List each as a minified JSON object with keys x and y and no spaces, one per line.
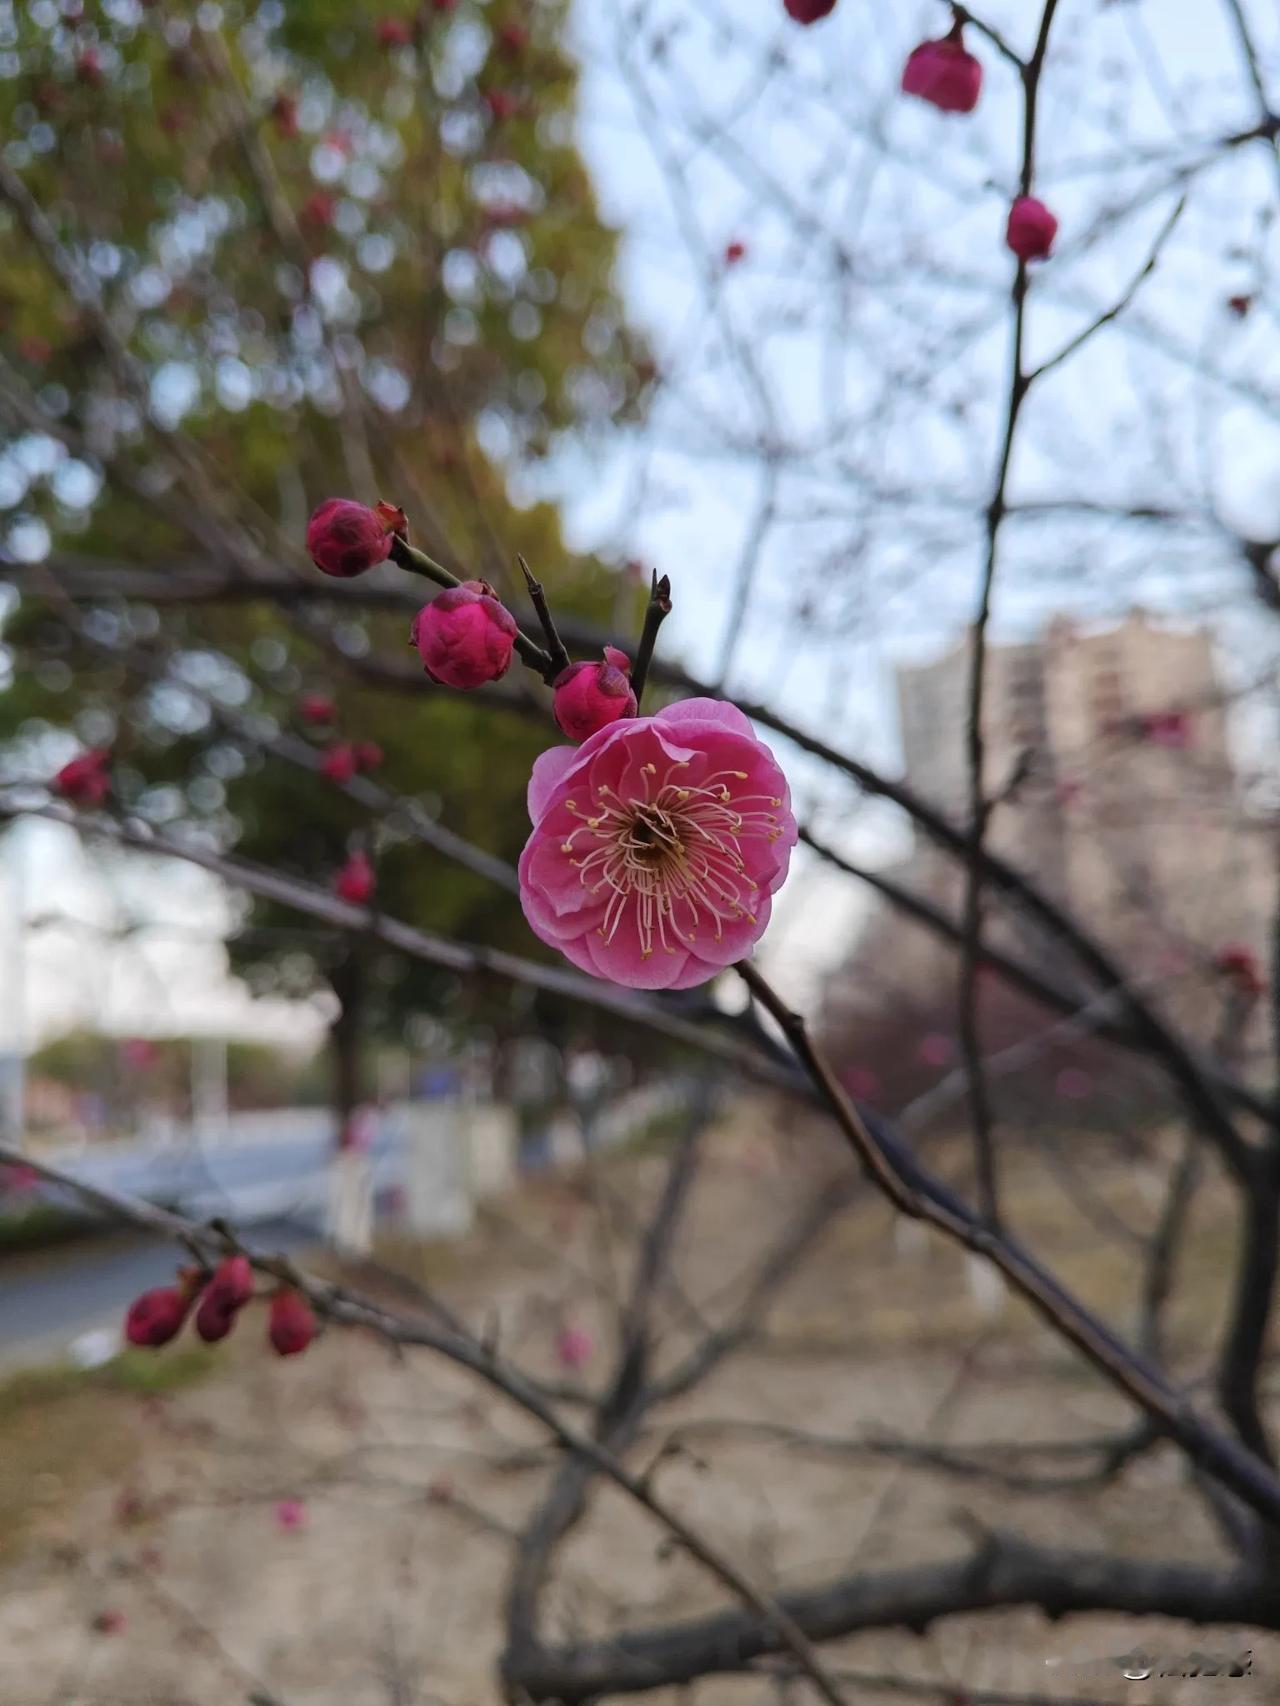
{"x":656,"y":612}
{"x":537,"y":596}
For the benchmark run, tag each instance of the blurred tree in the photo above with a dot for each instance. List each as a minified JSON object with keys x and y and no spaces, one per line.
{"x":324,"y":253}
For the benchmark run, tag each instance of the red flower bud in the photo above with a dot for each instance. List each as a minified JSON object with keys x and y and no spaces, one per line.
{"x":86,"y":780}
{"x":1239,"y":963}
{"x":394,"y":32}
{"x":316,"y":708}
{"x":944,"y":73}
{"x":157,"y":1316}
{"x":339,"y":764}
{"x":368,"y":755}
{"x":355,"y":882}
{"x":734,"y":252}
{"x":809,"y":11}
{"x":214,"y":1319}
{"x":502,"y":103}
{"x":317,"y":211}
{"x":292,"y":1326}
{"x":284,"y":111}
{"x":1031,"y":229}
{"x":1239,"y":305}
{"x":513,"y":39}
{"x":232,"y":1282}
{"x":465,"y":636}
{"x":591,"y":695}
{"x":346,"y":538}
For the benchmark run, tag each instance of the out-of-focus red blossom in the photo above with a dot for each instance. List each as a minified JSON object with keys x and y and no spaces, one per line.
{"x":18,"y":1179}
{"x":292,"y":1325}
{"x":291,"y":1515}
{"x":85,"y":781}
{"x":346,"y":538}
{"x":1238,"y":962}
{"x":284,"y":115}
{"x":575,"y":1347}
{"x":368,"y":755}
{"x":139,"y":1054}
{"x":214,"y":1319}
{"x":734,"y":252}
{"x":1031,"y":229}
{"x":590,"y":695}
{"x":110,"y":1623}
{"x":500,"y":216}
{"x":513,"y":39}
{"x":443,"y":5}
{"x":1239,"y":305}
{"x":465,"y":636}
{"x":808,"y":11}
{"x":342,"y":141}
{"x":862,"y":1082}
{"x":88,"y":66}
{"x":355,"y":882}
{"x":1168,"y":728}
{"x":394,"y":32}
{"x":316,"y":708}
{"x":232,"y":1282}
{"x":502,"y":103}
{"x":317,"y":210}
{"x":944,"y":73}
{"x":339,"y":764}
{"x":157,"y":1316}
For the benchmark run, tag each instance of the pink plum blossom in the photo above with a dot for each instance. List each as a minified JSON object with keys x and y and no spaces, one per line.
{"x":657,"y":845}
{"x":574,"y":1347}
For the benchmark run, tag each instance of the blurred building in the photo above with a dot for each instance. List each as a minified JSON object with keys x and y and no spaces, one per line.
{"x":1109,"y":756}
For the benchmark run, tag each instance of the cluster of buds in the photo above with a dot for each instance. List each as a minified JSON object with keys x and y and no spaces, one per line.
{"x":158,"y":1316}
{"x":347,"y":758}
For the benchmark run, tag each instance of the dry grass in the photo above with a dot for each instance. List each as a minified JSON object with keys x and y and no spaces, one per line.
{"x":410,"y":1475}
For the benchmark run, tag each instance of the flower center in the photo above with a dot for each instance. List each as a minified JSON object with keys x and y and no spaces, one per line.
{"x":672,"y":856}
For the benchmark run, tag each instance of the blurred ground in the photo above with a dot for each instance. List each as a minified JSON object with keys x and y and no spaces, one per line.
{"x":163,"y":1509}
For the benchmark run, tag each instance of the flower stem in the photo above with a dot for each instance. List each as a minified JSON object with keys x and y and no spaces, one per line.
{"x":659,"y":608}
{"x":537,"y":597}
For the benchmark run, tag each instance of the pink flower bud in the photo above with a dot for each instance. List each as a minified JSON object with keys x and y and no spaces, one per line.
{"x":734,"y":252}
{"x":1031,"y":229}
{"x":513,"y":39}
{"x":86,"y":781}
{"x":465,"y":637}
{"x":591,"y":695}
{"x":346,"y":538}
{"x":316,"y":708}
{"x":232,"y":1282}
{"x":368,"y":755}
{"x":944,"y":73}
{"x":340,"y":763}
{"x":356,"y":882}
{"x":809,"y":11}
{"x":574,"y":1347}
{"x":157,"y":1316}
{"x":292,"y":1326}
{"x":291,"y":1515}
{"x":1239,"y":305}
{"x":394,"y":32}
